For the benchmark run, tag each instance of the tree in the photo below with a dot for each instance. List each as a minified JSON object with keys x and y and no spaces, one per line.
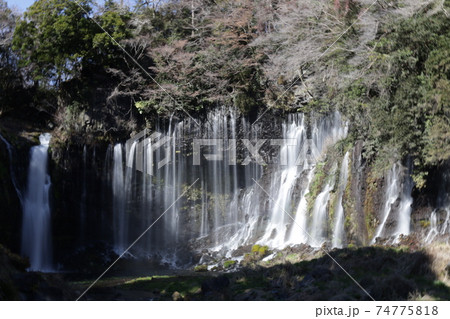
{"x":53,"y":38}
{"x":214,"y":65}
{"x":57,"y":39}
{"x":403,"y":99}
{"x":10,"y":79}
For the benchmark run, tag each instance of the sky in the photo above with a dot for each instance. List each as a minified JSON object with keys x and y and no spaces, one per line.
{"x":19,"y":4}
{"x":22,"y":5}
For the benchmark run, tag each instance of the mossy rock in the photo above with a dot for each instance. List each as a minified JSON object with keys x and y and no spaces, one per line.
{"x":201,"y":268}
{"x":255,"y":248}
{"x":258,"y":252}
{"x":229,"y":263}
{"x":425,"y":223}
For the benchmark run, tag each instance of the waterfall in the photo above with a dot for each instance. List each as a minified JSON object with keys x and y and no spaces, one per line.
{"x":294,"y":148}
{"x":397,"y":202}
{"x":299,"y":155}
{"x":319,"y":223}
{"x":36,"y":229}
{"x":204,"y":214}
{"x":147,"y":185}
{"x":247,"y":202}
{"x":391,"y":195}
{"x":119,"y":196}
{"x":434,"y":228}
{"x":339,"y":233}
{"x":446,"y":224}
{"x":171,"y":191}
{"x":437,"y":226}
{"x":404,"y":211}
{"x":226,"y":210}
{"x":299,"y":233}
{"x":445,"y":228}
{"x":440,"y":217}
{"x":220,"y":174}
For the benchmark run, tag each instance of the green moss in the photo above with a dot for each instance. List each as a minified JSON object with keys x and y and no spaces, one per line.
{"x":229,"y":263}
{"x":263,"y":251}
{"x":255,"y":248}
{"x":260,"y":251}
{"x":425,"y":223}
{"x":316,"y":184}
{"x":201,"y":268}
{"x":369,"y":203}
{"x":331,"y":209}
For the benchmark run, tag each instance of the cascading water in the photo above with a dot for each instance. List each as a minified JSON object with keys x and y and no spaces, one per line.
{"x":119,"y":196}
{"x":391,"y":196}
{"x":173,"y":180}
{"x":294,"y":148}
{"x":339,"y":232}
{"x":440,"y":217}
{"x":406,"y":200}
{"x":36,"y":228}
{"x":397,"y":204}
{"x":226,"y":206}
{"x":144,"y":185}
{"x":225,"y":211}
{"x":204,"y":215}
{"x":434,"y":228}
{"x":299,"y":233}
{"x":320,"y":212}
{"x":300,"y":155}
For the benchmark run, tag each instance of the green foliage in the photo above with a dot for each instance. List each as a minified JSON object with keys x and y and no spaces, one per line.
{"x":402,"y":108}
{"x":317,"y":183}
{"x":145,"y":107}
{"x":10,"y":78}
{"x":57,"y":39}
{"x":51,"y":38}
{"x":399,"y":106}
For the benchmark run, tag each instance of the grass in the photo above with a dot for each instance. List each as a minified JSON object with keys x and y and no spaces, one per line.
{"x":165,"y":286}
{"x":388,"y":273}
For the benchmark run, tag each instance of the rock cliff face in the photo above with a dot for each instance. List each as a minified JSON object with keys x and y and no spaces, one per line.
{"x":105,"y":196}
{"x":9,"y":204}
{"x":14,"y":155}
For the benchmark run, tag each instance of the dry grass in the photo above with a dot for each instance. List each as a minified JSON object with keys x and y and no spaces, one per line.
{"x":440,"y":256}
